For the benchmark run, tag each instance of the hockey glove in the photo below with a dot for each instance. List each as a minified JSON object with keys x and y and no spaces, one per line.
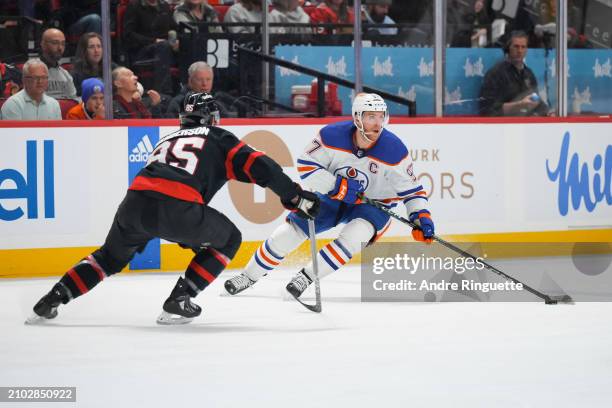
{"x":347,"y":190}
{"x":305,"y":203}
{"x":425,"y":230}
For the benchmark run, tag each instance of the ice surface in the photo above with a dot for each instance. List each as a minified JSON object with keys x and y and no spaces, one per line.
{"x":258,"y":350}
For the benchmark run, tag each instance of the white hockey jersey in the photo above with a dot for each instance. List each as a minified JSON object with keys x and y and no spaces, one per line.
{"x":385,"y":170}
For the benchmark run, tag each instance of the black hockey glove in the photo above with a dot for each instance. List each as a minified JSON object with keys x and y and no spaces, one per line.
{"x":305,"y":203}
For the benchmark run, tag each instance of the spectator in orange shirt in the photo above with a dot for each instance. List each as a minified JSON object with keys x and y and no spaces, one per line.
{"x":92,"y":106}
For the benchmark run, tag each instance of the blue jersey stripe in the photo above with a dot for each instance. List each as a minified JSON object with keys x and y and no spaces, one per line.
{"x":268,"y":268}
{"x":411,"y":191}
{"x":346,"y":252}
{"x":329,"y":261}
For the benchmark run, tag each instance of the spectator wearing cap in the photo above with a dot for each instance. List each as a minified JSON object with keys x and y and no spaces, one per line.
{"x":92,"y":106}
{"x":376,"y":12}
{"x":32,"y":103}
{"x":60,"y":85}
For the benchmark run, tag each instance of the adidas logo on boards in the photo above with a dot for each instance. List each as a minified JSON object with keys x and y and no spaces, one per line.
{"x":143,"y":149}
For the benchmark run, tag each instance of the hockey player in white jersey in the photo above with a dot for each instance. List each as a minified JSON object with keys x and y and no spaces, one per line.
{"x":345,"y":160}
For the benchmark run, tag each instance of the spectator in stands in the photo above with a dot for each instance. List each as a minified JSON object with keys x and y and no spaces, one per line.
{"x":92,"y":105}
{"x":124,"y":104}
{"x":201,"y":78}
{"x":150,"y":33}
{"x":243,"y":11}
{"x":79,"y":16}
{"x":88,"y":59}
{"x":196,"y":12}
{"x":10,"y":80}
{"x":53,"y":44}
{"x":333,"y":12}
{"x":376,"y":12}
{"x":31,"y":103}
{"x":510,"y":87}
{"x":468,"y":27}
{"x":288,"y":12}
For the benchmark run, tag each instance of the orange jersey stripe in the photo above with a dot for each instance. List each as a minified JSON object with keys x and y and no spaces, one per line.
{"x":335,"y":254}
{"x":263,"y":255}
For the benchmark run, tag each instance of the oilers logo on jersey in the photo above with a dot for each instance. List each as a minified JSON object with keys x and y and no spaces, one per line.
{"x":352,"y":173}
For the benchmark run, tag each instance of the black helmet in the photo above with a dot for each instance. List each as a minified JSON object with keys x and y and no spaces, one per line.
{"x":199,"y":109}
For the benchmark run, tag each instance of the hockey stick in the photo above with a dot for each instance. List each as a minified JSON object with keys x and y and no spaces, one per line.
{"x":317,"y":307}
{"x":549,"y":300}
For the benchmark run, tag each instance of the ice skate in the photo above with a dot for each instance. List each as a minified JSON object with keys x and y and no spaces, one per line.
{"x":178,"y":308}
{"x":46,"y":308}
{"x":298,"y":284}
{"x":238,"y":283}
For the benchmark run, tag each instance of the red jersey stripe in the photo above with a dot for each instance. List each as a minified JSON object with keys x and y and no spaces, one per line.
{"x":249,"y":163}
{"x":207,"y":276}
{"x":167,"y":187}
{"x":220,"y":257}
{"x":229,"y":169}
{"x":78,"y":281}
{"x":92,"y":261}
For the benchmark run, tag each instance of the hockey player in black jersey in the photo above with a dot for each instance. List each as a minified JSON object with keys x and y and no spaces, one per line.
{"x":169,"y":199}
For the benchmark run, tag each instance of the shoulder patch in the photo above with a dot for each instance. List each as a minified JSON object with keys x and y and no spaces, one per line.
{"x":338,"y":135}
{"x":389,"y":149}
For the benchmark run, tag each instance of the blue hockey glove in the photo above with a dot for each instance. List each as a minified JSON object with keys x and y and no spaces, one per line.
{"x":347,"y":190}
{"x":425,"y":230}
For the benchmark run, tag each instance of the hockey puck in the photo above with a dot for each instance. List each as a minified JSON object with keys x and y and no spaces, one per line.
{"x":550,"y":302}
{"x":429,"y":297}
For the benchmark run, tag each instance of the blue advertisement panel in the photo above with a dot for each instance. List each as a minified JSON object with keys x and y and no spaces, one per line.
{"x":141,"y":141}
{"x":408,"y":72}
{"x":336,"y":61}
{"x":27,"y":184}
{"x":589,"y":85}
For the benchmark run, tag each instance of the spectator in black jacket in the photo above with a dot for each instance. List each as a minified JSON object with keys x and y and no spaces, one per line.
{"x":201,"y":78}
{"x":510,"y":87}
{"x":149,"y":34}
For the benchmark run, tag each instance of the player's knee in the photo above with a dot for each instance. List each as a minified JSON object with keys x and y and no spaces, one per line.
{"x":233,"y":243}
{"x":355,"y":233}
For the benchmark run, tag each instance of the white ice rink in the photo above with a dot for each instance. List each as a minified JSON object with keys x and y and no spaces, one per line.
{"x":258,"y":350}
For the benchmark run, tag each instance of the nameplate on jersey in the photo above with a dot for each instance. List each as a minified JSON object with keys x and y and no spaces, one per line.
{"x":199,"y":131}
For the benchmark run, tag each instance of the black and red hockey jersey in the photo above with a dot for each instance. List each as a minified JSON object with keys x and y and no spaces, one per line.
{"x":193,"y":164}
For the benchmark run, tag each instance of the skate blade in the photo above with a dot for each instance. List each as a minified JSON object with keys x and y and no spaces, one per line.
{"x":35,"y":320}
{"x":168,"y":319}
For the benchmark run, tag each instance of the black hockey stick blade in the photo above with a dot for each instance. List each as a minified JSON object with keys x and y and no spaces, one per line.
{"x":564,"y":299}
{"x":313,"y":308}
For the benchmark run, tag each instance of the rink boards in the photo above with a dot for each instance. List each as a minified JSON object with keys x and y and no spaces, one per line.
{"x":60,"y":183}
